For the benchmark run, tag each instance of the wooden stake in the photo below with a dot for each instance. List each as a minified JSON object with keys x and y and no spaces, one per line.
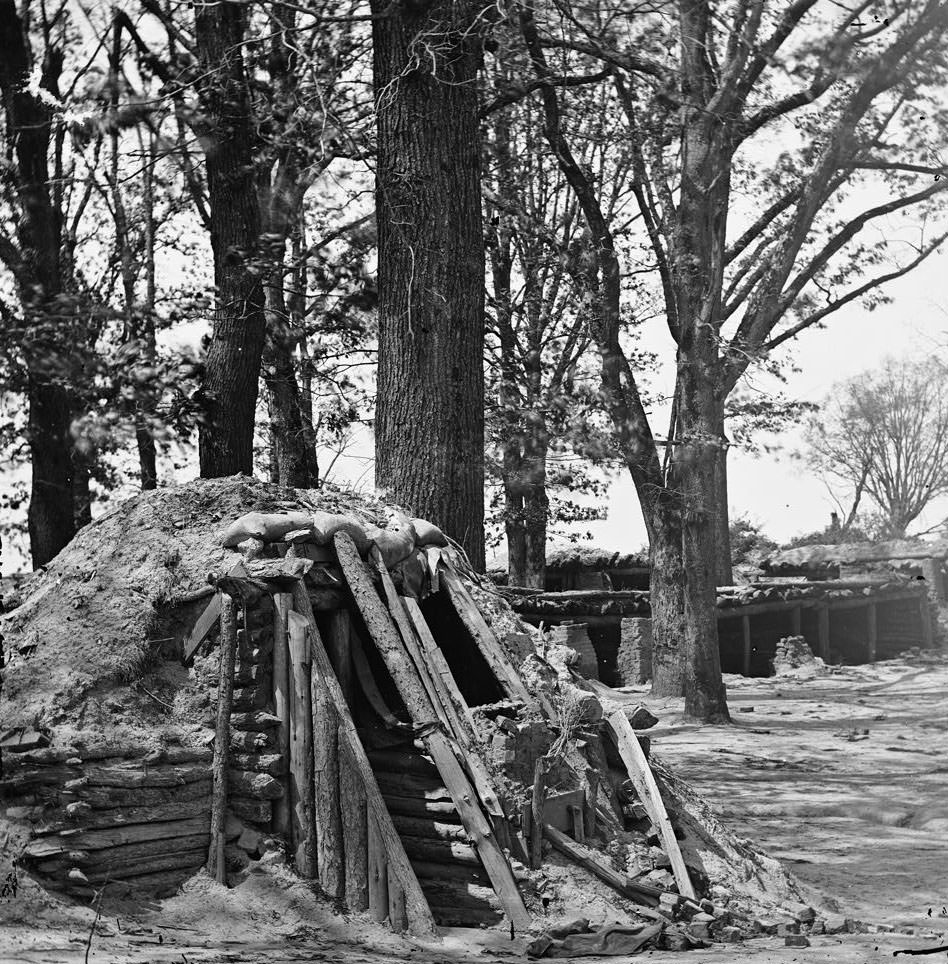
{"x":216,"y":864}
{"x":420,"y":921}
{"x":330,"y":858}
{"x":282,"y":603}
{"x":536,"y":812}
{"x":796,"y":621}
{"x":410,"y":688}
{"x":301,"y":749}
{"x":354,"y":828}
{"x":641,"y":894}
{"x":640,"y":773}
{"x":872,"y":631}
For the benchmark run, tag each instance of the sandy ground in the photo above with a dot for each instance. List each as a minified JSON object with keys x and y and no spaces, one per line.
{"x":860,"y":818}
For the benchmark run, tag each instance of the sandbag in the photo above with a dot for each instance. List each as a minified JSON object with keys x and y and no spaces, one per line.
{"x":327,"y":524}
{"x":428,"y":534}
{"x":395,"y":547}
{"x":266,"y":526}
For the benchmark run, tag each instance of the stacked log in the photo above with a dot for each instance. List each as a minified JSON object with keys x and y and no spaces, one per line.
{"x":458,"y":889}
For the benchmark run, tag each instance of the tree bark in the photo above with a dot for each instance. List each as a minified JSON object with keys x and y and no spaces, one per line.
{"x":294,"y":463}
{"x":536,"y":503}
{"x":232,"y":366}
{"x":429,"y":425}
{"x":40,"y":288}
{"x":724,"y":573}
{"x":704,"y":691}
{"x":666,"y":594}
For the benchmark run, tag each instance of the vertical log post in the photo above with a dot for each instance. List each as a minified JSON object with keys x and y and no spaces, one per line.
{"x":872,"y":631}
{"x":216,"y":863}
{"x":354,"y":818}
{"x":378,"y":872}
{"x":339,"y":649}
{"x":924,"y":611}
{"x":327,"y":818}
{"x":796,"y":621}
{"x":282,"y":604}
{"x":746,"y":631}
{"x":301,"y":749}
{"x":823,"y":631}
{"x":536,"y":812}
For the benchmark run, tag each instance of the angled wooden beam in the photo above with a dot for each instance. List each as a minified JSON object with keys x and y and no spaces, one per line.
{"x":406,"y":679}
{"x":640,"y":773}
{"x":205,"y":623}
{"x":488,"y":643}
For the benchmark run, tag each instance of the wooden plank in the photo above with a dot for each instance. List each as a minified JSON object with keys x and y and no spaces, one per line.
{"x":823,"y":632}
{"x":420,"y":921}
{"x":872,"y":632}
{"x":397,"y":912}
{"x":584,"y":857}
{"x":378,"y":872}
{"x":370,"y":690}
{"x":746,"y":633}
{"x":302,"y":803}
{"x":354,"y":828}
{"x":409,"y":640}
{"x":486,"y":641}
{"x":282,"y":604}
{"x":216,"y":864}
{"x":388,"y":642}
{"x":640,"y":773}
{"x":339,"y":648}
{"x":796,"y":621}
{"x":205,"y":623}
{"x":330,"y":859}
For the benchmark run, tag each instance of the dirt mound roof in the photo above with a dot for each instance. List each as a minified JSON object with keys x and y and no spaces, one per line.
{"x":584,"y":556}
{"x":856,"y":552}
{"x":95,"y":618}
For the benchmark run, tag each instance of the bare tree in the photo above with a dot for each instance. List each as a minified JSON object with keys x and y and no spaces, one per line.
{"x":699,"y":84}
{"x":884,"y":435}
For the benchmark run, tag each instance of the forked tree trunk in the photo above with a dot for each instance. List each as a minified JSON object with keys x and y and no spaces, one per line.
{"x":232,"y":366}
{"x":429,"y":423}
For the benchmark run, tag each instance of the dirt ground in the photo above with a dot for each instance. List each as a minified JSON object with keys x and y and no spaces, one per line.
{"x":860,"y":817}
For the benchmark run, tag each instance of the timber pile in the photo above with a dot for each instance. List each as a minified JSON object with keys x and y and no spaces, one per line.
{"x":336,"y":684}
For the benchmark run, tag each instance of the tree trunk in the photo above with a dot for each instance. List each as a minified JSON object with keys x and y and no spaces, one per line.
{"x":536,"y":504}
{"x":39,"y":283}
{"x":292,"y":457}
{"x":429,"y":424}
{"x":516,"y":535}
{"x":699,"y":416}
{"x":724,"y":573}
{"x":666,"y":594}
{"x":232,"y":366}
